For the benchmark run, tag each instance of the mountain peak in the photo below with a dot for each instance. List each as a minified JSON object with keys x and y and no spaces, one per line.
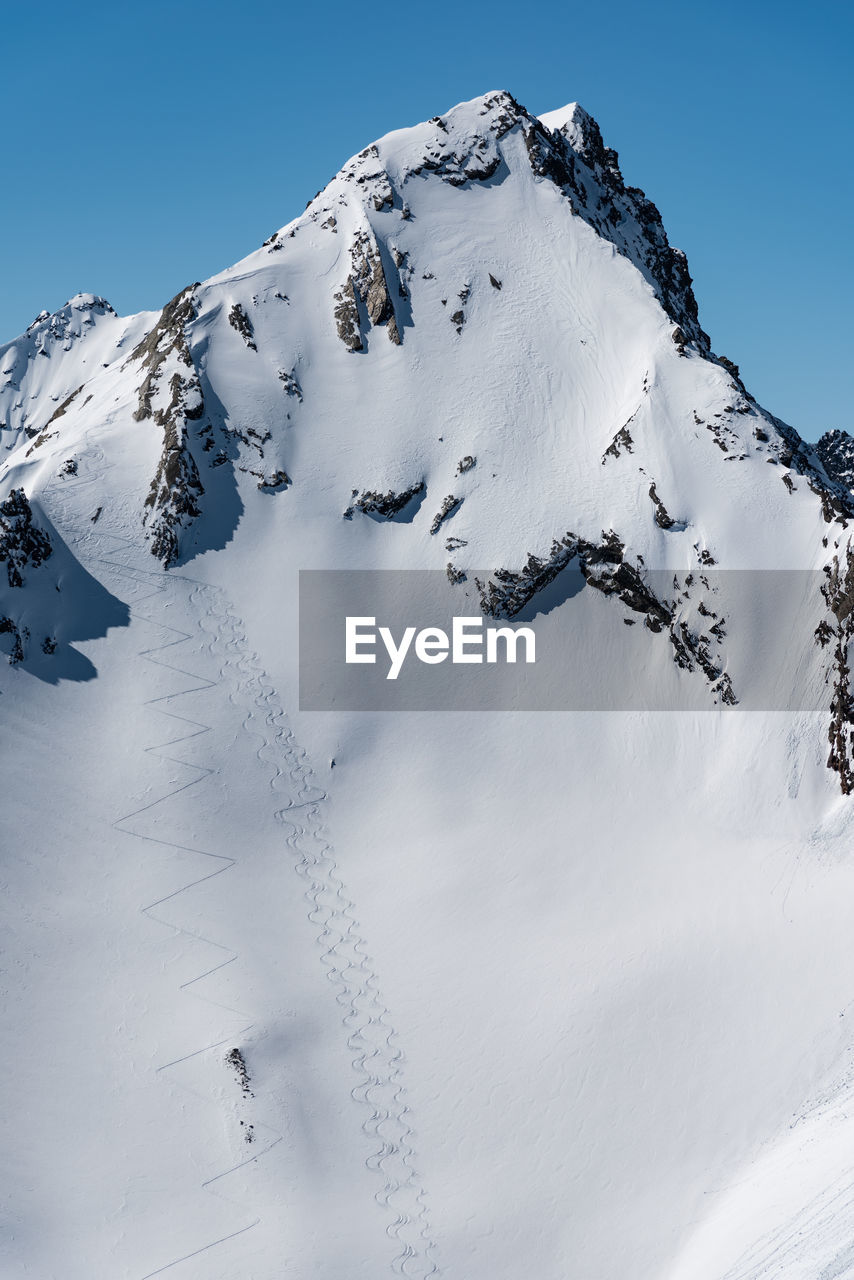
{"x":87,"y":304}
{"x":582,"y":133}
{"x":493,"y":137}
{"x":563,"y":117}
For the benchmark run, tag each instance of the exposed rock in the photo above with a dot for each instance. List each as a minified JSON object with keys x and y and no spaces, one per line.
{"x":662,"y":517}
{"x":622,"y":440}
{"x":721,"y":431}
{"x":827,"y":482}
{"x":8,"y":627}
{"x":347,"y":316}
{"x":273,"y":482}
{"x":289,"y":381}
{"x":41,"y":438}
{"x":447,"y":509}
{"x":63,"y":408}
{"x":365,"y":297}
{"x":377,"y":299}
{"x":45,"y":434}
{"x":373,"y":179}
{"x":239,"y":320}
{"x":836,"y":451}
{"x":834,"y":506}
{"x":838,"y":591}
{"x":604,"y":568}
{"x":823,"y":633}
{"x":455,"y":576}
{"x":465,"y":464}
{"x":173,"y":499}
{"x":731,"y":369}
{"x":235,"y":1059}
{"x":29,"y":396}
{"x":382,"y":196}
{"x":388,"y":504}
{"x":506,"y":592}
{"x":252,"y":439}
{"x":165,"y":339}
{"x":22,"y":543}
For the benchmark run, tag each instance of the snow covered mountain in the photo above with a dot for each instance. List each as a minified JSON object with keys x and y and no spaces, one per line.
{"x":337,"y":993}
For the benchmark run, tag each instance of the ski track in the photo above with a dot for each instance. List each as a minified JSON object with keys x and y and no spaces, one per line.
{"x":771,"y":1255}
{"x":377,"y":1058}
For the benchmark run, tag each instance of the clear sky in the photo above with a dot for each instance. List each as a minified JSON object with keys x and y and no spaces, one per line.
{"x":146,"y":146}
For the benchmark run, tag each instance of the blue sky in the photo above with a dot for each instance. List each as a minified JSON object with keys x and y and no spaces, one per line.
{"x":146,"y":146}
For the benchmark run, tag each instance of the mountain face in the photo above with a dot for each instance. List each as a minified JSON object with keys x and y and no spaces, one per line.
{"x":484,"y":286}
{"x":476,"y":353}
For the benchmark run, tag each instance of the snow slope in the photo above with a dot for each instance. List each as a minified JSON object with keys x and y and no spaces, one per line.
{"x":563,"y":993}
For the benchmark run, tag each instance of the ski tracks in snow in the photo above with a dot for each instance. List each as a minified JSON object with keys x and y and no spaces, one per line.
{"x":377,"y":1059}
{"x":119,"y":561}
{"x":167,"y":750}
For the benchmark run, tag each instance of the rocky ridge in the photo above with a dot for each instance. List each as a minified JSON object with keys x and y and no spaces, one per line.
{"x":171,"y":395}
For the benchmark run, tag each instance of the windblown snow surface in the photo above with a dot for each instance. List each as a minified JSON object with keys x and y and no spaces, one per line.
{"x":561,"y":994}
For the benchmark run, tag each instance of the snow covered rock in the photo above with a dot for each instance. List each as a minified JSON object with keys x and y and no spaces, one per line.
{"x":836,"y":450}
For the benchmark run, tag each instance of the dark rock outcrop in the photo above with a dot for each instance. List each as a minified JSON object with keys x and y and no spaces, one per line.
{"x":622,"y":440}
{"x":365,"y":298}
{"x":662,"y":516}
{"x":447,"y":509}
{"x":836,"y":451}
{"x":290,"y":383}
{"x":239,"y":320}
{"x":272,"y":481}
{"x":605,"y":569}
{"x":235,"y":1059}
{"x":172,"y":503}
{"x":838,"y":592}
{"x":19,"y":635}
{"x":22,"y":543}
{"x":388,"y":505}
